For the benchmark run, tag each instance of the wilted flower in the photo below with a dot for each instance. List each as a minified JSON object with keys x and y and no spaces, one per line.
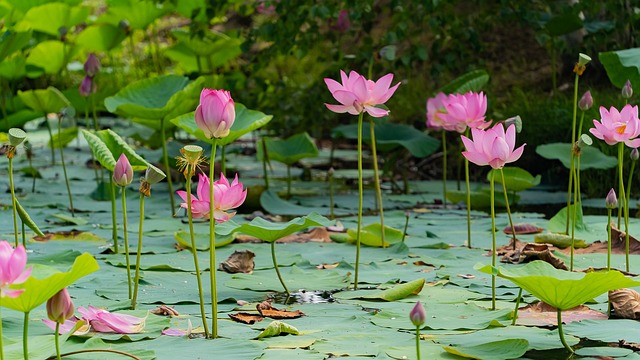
{"x":611,"y":201}
{"x":60,"y":307}
{"x":627,"y":90}
{"x":357,"y":94}
{"x":103,"y":321}
{"x":586,"y":101}
{"x":492,"y":147}
{"x":153,"y":175}
{"x":122,"y":172}
{"x":12,"y":269}
{"x":418,"y":315}
{"x":618,"y":126}
{"x":216,"y":113}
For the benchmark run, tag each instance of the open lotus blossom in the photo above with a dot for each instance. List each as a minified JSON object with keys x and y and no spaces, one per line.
{"x":437,"y":112}
{"x":12,"y":269}
{"x":102,"y":321}
{"x":227,"y":196}
{"x":492,"y":147}
{"x":618,"y":126}
{"x":466,"y":110}
{"x":357,"y":94}
{"x":216,"y":113}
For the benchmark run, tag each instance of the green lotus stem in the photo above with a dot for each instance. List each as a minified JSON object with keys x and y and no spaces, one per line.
{"x":573,"y":141}
{"x":64,"y":167}
{"x":13,"y":201}
{"x":569,"y":191}
{"x":466,"y":179}
{"x":332,"y":215}
{"x":212,"y":244}
{"x":53,"y":152}
{"x":194,"y":250}
{"x":288,"y":181}
{"x":444,"y":169}
{"x":360,"y":191}
{"x":57,"y":340}
{"x":93,"y":158}
{"x":608,"y":239}
{"x":265,"y":157}
{"x":406,"y":226}
{"x":101,"y":350}
{"x":126,"y":238}
{"x":573,"y":222}
{"x":506,"y":201}
{"x":136,"y":279}
{"x":493,"y":240}
{"x":223,"y":160}
{"x":275,"y":265}
{"x":133,"y":53}
{"x":199,"y":64}
{"x":515,"y":311}
{"x":165,"y":160}
{"x":625,"y":206}
{"x":1,"y":342}
{"x":114,"y":232}
{"x":23,"y":234}
{"x":561,"y":333}
{"x":25,"y":336}
{"x":376,"y":178}
{"x":627,"y":199}
{"x":418,"y":342}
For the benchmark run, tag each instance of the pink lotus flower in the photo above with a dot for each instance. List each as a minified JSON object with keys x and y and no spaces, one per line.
{"x":122,"y":172}
{"x":492,"y":147}
{"x":226,"y":197}
{"x":357,"y":94}
{"x":103,"y":321}
{"x":12,"y":269}
{"x":60,"y":307}
{"x":216,"y":113}
{"x":466,"y":110}
{"x":618,"y":126}
{"x":437,"y":112}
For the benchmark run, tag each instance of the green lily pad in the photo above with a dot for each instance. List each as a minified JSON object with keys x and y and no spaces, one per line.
{"x":294,"y":278}
{"x":603,"y":351}
{"x":12,"y":41}
{"x":49,"y":57}
{"x":394,"y":293}
{"x":66,"y":219}
{"x":276,"y":328}
{"x":272,"y":203}
{"x":516,"y":179}
{"x":202,"y":240}
{"x":559,"y":288}
{"x":558,"y":222}
{"x":605,"y":330}
{"x":481,"y":199}
{"x":270,"y":231}
{"x":590,"y":158}
{"x":290,"y":150}
{"x":49,"y":18}
{"x":138,"y":14}
{"x":100,"y":37}
{"x":622,"y":65}
{"x":49,"y":100}
{"x":502,"y":349}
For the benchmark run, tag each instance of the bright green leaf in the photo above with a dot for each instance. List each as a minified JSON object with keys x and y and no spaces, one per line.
{"x":100,"y":150}
{"x":371,"y":235}
{"x":271,"y":231}
{"x":100,"y":37}
{"x":622,"y":65}
{"x":49,"y":100}
{"x":118,"y":146}
{"x":494,"y":350}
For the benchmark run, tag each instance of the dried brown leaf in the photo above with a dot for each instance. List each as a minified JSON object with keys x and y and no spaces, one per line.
{"x":239,"y":262}
{"x":523,"y":229}
{"x":164,"y":310}
{"x":265,"y":309}
{"x":246,"y":318}
{"x":626,"y":303}
{"x":542,"y":314}
{"x":527,"y":252}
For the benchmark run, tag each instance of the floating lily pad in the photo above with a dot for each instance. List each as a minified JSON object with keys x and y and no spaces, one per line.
{"x":501,"y":349}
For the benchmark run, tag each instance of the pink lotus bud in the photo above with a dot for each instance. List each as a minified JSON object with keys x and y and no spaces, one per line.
{"x":586,"y":101}
{"x":611,"y":201}
{"x":627,"y":90}
{"x":418,"y":315}
{"x":87,"y":87}
{"x":343,"y":23}
{"x":634,"y":154}
{"x":92,"y":65}
{"x":216,"y":113}
{"x":123,"y":172}
{"x":60,"y":307}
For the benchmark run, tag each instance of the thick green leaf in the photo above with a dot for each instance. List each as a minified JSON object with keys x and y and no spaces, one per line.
{"x":558,"y":222}
{"x":561,"y":241}
{"x":246,"y":121}
{"x":559,"y":288}
{"x":26,"y":219}
{"x":118,"y":146}
{"x":224,"y":51}
{"x":472,"y":81}
{"x":622,"y":65}
{"x":100,"y":150}
{"x":271,"y":231}
{"x":139,"y":14}
{"x":14,"y":67}
{"x":371,"y":235}
{"x":49,"y":57}
{"x":564,"y":23}
{"x":603,"y":352}
{"x":100,"y":37}
{"x":590,"y":158}
{"x":49,"y":18}
{"x":481,"y":199}
{"x":64,"y":137}
{"x":37,"y":291}
{"x":502,"y":349}
{"x":12,"y":41}
{"x":290,"y":150}
{"x":221,"y":45}
{"x":49,"y":100}
{"x":18,"y":119}
{"x":516,"y":179}
{"x":399,"y":291}
{"x":277,"y":328}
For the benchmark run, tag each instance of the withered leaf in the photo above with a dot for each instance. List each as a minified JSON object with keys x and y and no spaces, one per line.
{"x":626,"y":303}
{"x":246,"y":318}
{"x":527,"y":252}
{"x":523,"y":229}
{"x":265,"y":309}
{"x":542,"y":314}
{"x":627,"y":345}
{"x":239,"y":262}
{"x":164,"y":310}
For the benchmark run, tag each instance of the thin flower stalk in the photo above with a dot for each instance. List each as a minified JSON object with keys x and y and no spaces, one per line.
{"x":126,"y":240}
{"x":376,"y":177}
{"x":468,"y":202}
{"x":506,"y":201}
{"x":625,"y":204}
{"x":275,"y":265}
{"x":13,"y":196}
{"x":136,"y":277}
{"x":444,"y":168}
{"x":515,"y":310}
{"x":64,"y":166}
{"x":212,"y":243}
{"x":493,"y":239}
{"x":360,"y":200}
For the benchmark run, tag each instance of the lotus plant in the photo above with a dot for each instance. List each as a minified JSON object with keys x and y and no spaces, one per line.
{"x":59,"y":309}
{"x":65,"y":112}
{"x":102,"y":321}
{"x":611,"y":202}
{"x":358,"y":95}
{"x":493,"y":147}
{"x":122,"y":177}
{"x":418,"y":317}
{"x":152,"y":176}
{"x":621,"y":128}
{"x":16,"y":137}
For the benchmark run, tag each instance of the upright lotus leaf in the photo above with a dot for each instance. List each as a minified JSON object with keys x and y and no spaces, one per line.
{"x":49,"y":100}
{"x":472,"y":81}
{"x":46,"y":282}
{"x":13,"y":67}
{"x":271,"y":231}
{"x":49,"y":57}
{"x":563,"y":24}
{"x":558,"y":222}
{"x":147,"y":98}
{"x":100,"y":37}
{"x":117,"y":146}
{"x":590,"y":157}
{"x":49,"y":18}
{"x":290,"y":150}
{"x":18,"y":119}
{"x":622,"y":65}
{"x":62,"y":138}
{"x":204,"y":46}
{"x":246,"y":121}
{"x":516,"y":179}
{"x":139,"y":14}
{"x":559,"y":288}
{"x":391,"y":136}
{"x":100,"y":150}
{"x":12,"y":41}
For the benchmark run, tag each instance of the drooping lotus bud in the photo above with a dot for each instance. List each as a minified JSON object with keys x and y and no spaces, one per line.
{"x":122,"y":172}
{"x":16,"y":136}
{"x":60,"y":307}
{"x":627,"y":90}
{"x":586,"y":101}
{"x":611,"y":201}
{"x":418,"y":315}
{"x":92,"y":65}
{"x":216,"y":113}
{"x":634,"y":154}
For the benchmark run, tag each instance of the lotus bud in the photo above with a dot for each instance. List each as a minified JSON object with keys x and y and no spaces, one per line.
{"x":154,"y":175}
{"x":627,"y":90}
{"x":611,"y":201}
{"x":16,"y":136}
{"x":343,"y":23}
{"x":634,"y":154}
{"x":418,"y":315}
{"x":87,"y":86}
{"x":586,"y":101}
{"x":60,"y":307}
{"x":122,"y":172}
{"x":216,"y":113}
{"x":92,"y":65}
{"x":583,"y":59}
{"x":516,"y":120}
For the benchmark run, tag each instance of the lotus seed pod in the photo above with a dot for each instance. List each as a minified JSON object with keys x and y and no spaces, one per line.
{"x":154,"y":175}
{"x":16,"y":136}
{"x":192,"y":153}
{"x":583,"y":59}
